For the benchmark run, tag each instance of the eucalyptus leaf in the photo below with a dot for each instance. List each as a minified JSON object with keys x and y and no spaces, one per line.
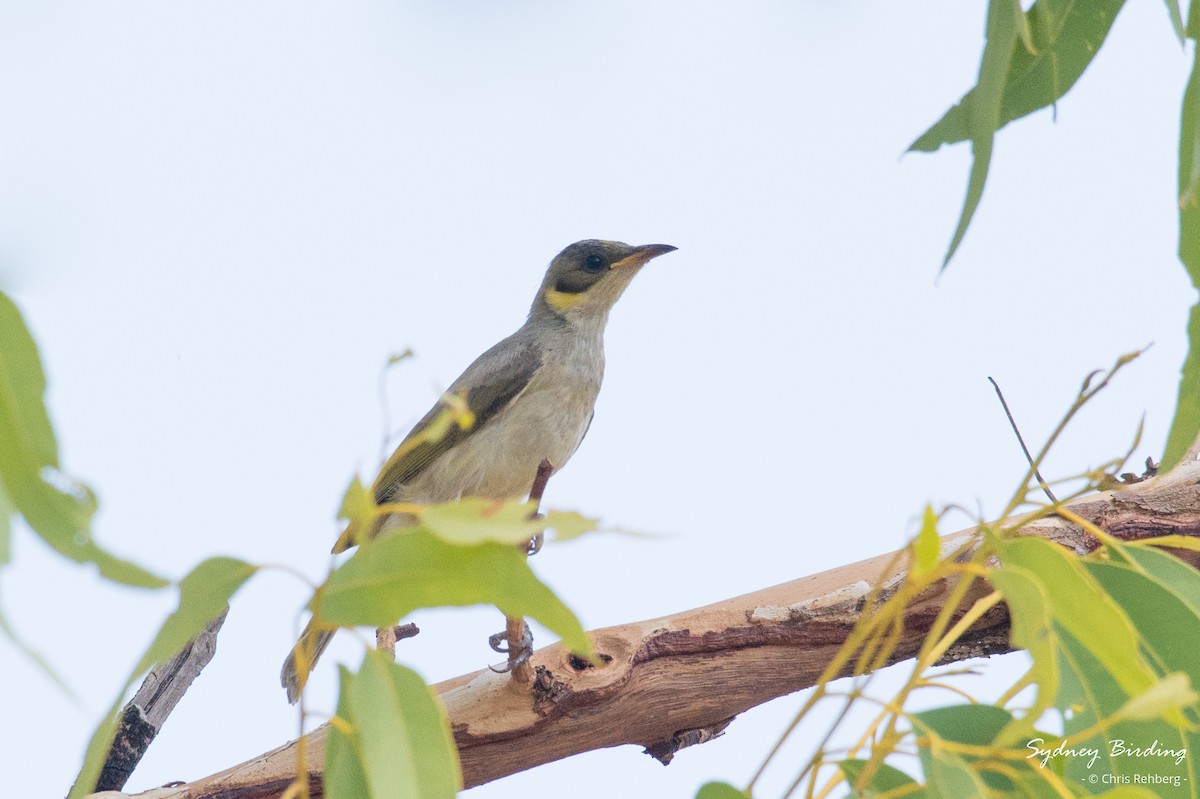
{"x":1185,"y":427}
{"x":886,"y":780}
{"x":56,"y":508}
{"x":475,"y":520}
{"x":1032,"y":629}
{"x":720,"y":790}
{"x":345,"y":774}
{"x":1066,"y":36}
{"x":983,"y":120}
{"x":927,"y":545}
{"x":397,"y":573}
{"x":401,"y":732}
{"x":1080,"y":605}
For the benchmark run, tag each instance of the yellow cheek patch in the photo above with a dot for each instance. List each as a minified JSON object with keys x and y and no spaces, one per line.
{"x":561,"y":301}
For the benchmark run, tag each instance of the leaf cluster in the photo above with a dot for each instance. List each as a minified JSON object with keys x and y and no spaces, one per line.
{"x":1111,"y":636}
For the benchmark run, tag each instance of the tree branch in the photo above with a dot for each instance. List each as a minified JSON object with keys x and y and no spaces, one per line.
{"x":668,"y":682}
{"x":147,"y":711}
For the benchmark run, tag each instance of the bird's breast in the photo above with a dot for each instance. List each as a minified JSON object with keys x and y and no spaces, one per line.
{"x":547,"y":420}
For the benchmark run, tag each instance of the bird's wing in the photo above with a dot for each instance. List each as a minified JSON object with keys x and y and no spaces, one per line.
{"x":486,"y":388}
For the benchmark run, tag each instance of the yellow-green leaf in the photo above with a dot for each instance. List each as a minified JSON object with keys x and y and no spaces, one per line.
{"x":720,"y":790}
{"x":1032,"y":630}
{"x":345,"y":775}
{"x":886,"y":780}
{"x":1079,"y":604}
{"x":474,"y":521}
{"x":400,"y":731}
{"x":927,"y":545}
{"x":569,"y":524}
{"x":57,"y":508}
{"x":1171,"y":693}
{"x":1185,"y":427}
{"x":400,"y":572}
{"x":983,"y":120}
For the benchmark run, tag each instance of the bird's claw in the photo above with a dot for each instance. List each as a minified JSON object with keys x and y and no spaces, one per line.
{"x":534,"y":544}
{"x":499,"y":643}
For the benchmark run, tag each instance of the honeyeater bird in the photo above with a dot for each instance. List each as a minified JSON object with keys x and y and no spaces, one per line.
{"x":531,"y":397}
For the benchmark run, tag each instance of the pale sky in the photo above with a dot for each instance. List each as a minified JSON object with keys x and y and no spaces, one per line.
{"x":220,"y":218}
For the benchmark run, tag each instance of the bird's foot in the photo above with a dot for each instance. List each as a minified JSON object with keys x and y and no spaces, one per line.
{"x":517,"y":655}
{"x":534,"y":545}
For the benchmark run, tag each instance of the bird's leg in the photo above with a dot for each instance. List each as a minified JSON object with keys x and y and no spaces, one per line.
{"x":544,"y":470}
{"x":517,"y":639}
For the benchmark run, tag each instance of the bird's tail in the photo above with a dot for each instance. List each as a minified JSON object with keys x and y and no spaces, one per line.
{"x":302,"y":658}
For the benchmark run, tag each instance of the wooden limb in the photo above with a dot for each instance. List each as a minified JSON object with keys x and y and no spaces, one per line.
{"x":668,"y":681}
{"x":145,"y":714}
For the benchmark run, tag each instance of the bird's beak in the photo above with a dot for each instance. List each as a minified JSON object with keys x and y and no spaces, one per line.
{"x":641,"y":255}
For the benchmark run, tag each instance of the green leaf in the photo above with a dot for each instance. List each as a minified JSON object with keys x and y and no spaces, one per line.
{"x":1024,"y":31}
{"x":399,"y":735}
{"x":1170,"y":572}
{"x":1091,"y":695}
{"x":1078,"y":604}
{"x":977,"y":725}
{"x":397,"y":573}
{"x":203,"y":595}
{"x":885,"y":780}
{"x":720,"y":790}
{"x":1032,"y":629}
{"x":927,"y":545}
{"x":1171,"y":693}
{"x":345,"y":775}
{"x":22,"y":386}
{"x":983,"y":119}
{"x":1189,"y":169}
{"x":1129,"y":792}
{"x":1066,"y":35}
{"x":62,"y":521}
{"x":358,"y":511}
{"x":29,"y":461}
{"x":1185,"y":427}
{"x":1167,"y":627}
{"x":569,"y":524}
{"x":950,"y":776}
{"x":475,"y":520}
{"x":1176,"y":19}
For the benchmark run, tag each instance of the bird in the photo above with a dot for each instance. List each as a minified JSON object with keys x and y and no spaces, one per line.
{"x":531,"y":398}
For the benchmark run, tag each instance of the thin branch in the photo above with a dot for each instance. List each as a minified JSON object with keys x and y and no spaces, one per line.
{"x":1028,"y":457}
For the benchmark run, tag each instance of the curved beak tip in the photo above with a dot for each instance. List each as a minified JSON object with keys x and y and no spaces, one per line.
{"x":644,"y":253}
{"x":655,"y":250}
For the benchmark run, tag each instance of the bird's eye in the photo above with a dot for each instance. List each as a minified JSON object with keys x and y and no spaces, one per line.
{"x":593,"y":263}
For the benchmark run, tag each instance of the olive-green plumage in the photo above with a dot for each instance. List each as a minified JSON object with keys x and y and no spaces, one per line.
{"x":531,"y":397}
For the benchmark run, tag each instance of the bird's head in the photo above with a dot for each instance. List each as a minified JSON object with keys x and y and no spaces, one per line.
{"x":586,"y":279}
